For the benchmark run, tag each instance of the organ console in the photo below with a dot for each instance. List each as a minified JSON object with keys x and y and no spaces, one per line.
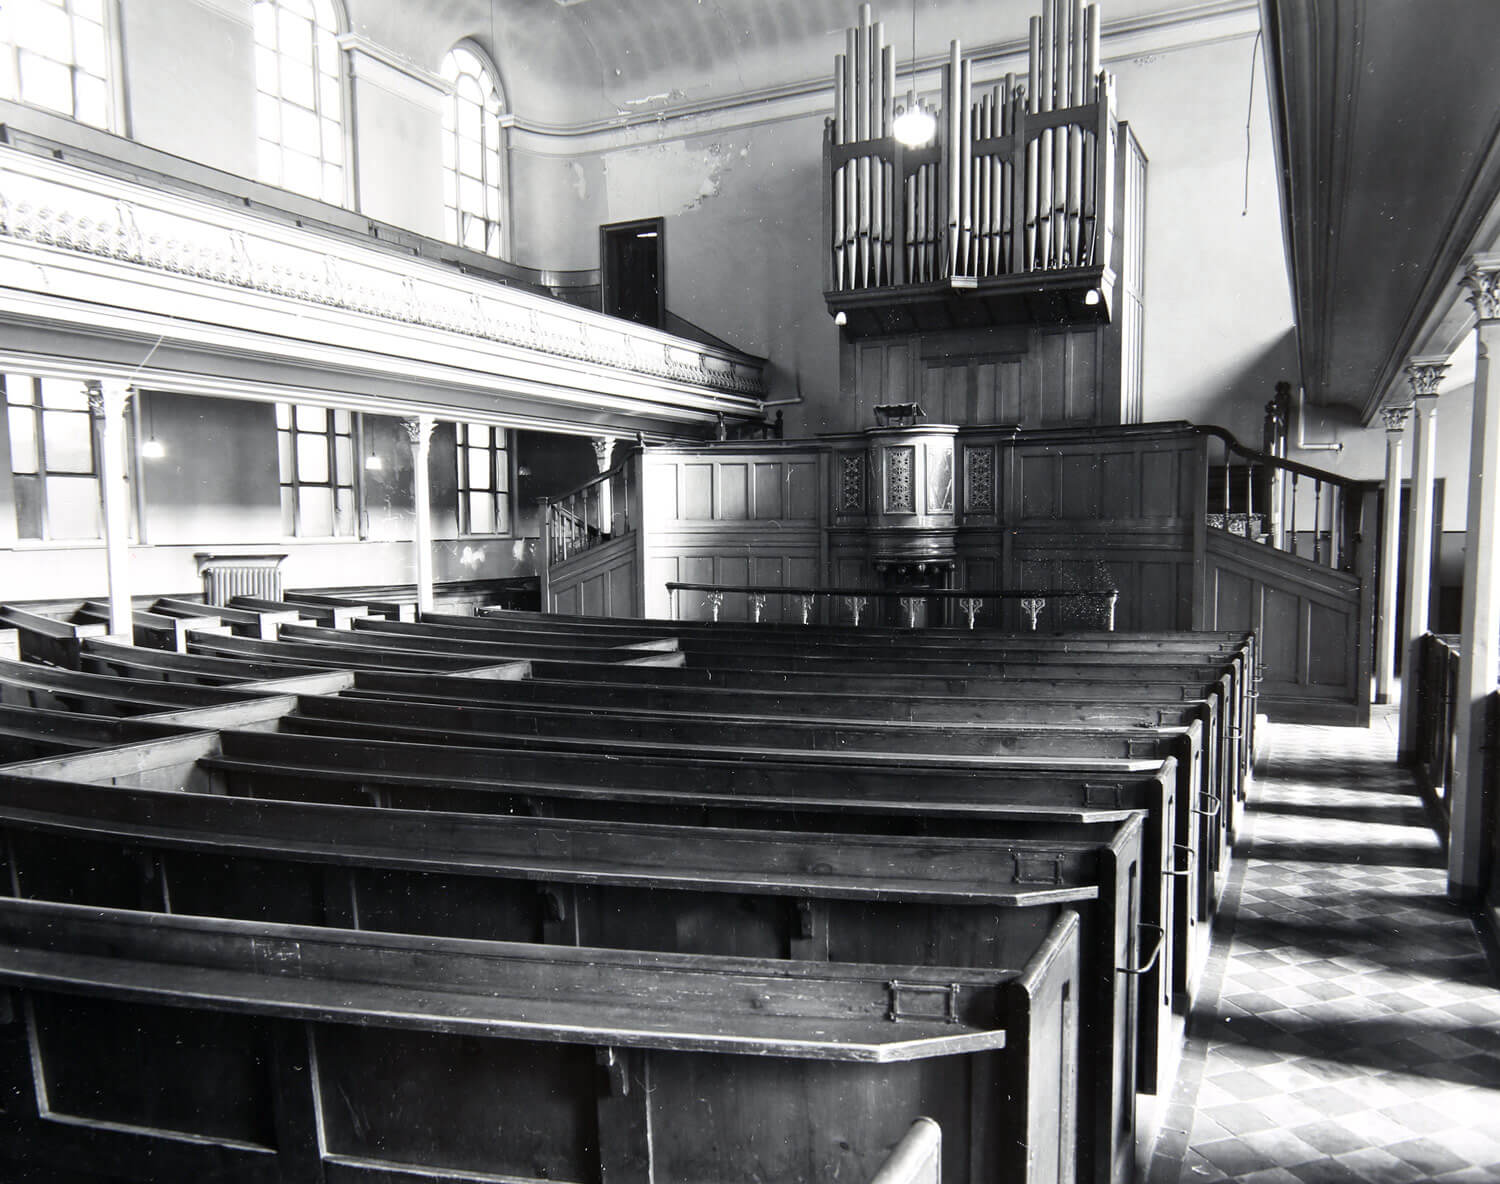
{"x":1019,"y":185}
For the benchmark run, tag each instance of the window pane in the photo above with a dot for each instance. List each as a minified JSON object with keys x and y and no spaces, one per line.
{"x":91,"y":100}
{"x":295,"y":36}
{"x":72,"y":508}
{"x":301,"y":174}
{"x":266,"y":71}
{"x":18,"y":388}
{"x":502,"y":513}
{"x":46,"y":83}
{"x":288,"y":511}
{"x":344,"y":513}
{"x":343,"y":458}
{"x":315,"y":509}
{"x":67,"y":442}
{"x":62,"y":395}
{"x":28,"y":491}
{"x":479,"y":468}
{"x":333,"y":185}
{"x":343,"y":424}
{"x":328,"y":97}
{"x":502,"y":472}
{"x":470,"y":195}
{"x":23,"y":457}
{"x":312,"y":458}
{"x":312,"y":419}
{"x":42,"y":29}
{"x":88,"y":10}
{"x":88,"y":47}
{"x":264,"y":16}
{"x":474,"y":237}
{"x":267,"y":117}
{"x":268,"y":162}
{"x":299,"y":130}
{"x":481,"y":513}
{"x":477,"y":435}
{"x":297,"y":83}
{"x":283,"y":415}
{"x":284,"y":457}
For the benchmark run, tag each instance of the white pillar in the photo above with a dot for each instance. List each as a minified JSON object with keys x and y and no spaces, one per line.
{"x":419,"y":432}
{"x":1424,"y":374}
{"x":604,"y":447}
{"x":1481,"y":613}
{"x":1390,"y":555}
{"x":107,"y":402}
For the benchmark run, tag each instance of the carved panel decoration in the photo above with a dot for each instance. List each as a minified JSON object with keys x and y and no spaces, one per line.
{"x":851,"y":483}
{"x":900,"y":494}
{"x":979,"y":480}
{"x":940,"y":477}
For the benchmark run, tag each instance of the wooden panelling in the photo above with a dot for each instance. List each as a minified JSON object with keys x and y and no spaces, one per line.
{"x":604,"y":581}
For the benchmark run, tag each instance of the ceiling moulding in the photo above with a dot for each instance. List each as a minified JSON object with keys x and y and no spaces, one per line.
{"x":376,"y":64}
{"x":78,"y":249}
{"x":1126,"y":40}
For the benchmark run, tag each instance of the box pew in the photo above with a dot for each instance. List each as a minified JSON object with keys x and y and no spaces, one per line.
{"x":390,"y":610}
{"x":377,"y":635}
{"x":156,"y":630}
{"x":26,"y":684}
{"x":334,"y":616}
{"x":206,"y":1048}
{"x":46,"y":639}
{"x":960,"y":902}
{"x":124,"y":661}
{"x":28,"y":733}
{"x":242,"y":622}
{"x":338,"y":657}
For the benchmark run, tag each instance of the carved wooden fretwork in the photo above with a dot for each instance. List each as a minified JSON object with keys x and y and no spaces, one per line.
{"x":979,"y":480}
{"x":900,"y":496}
{"x":851,"y":483}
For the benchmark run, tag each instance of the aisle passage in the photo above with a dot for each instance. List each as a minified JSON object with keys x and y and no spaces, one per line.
{"x":1349,"y":1029}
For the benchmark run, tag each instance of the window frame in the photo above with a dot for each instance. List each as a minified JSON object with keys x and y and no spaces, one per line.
{"x":496,"y":231}
{"x":289,"y":476}
{"x":325,"y":84}
{"x":501,"y":461}
{"x":109,"y":80}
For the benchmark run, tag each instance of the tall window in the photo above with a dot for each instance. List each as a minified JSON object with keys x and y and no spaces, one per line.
{"x":299,"y":110}
{"x":56,"y":54}
{"x":316,"y":452}
{"x":471,"y":153}
{"x":483,"y":480}
{"x":52,"y":458}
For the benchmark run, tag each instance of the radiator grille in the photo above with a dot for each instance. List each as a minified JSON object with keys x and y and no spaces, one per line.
{"x":228,"y":576}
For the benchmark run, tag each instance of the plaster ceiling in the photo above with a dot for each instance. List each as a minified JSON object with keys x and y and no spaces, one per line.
{"x":1387,"y":120}
{"x":580,"y":63}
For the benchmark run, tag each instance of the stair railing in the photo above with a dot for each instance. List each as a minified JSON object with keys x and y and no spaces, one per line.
{"x":1283,"y":504}
{"x":593,"y":513}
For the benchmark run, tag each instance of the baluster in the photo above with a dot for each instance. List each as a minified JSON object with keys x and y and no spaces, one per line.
{"x":911,"y":604}
{"x":1317,"y":521}
{"x":806,"y":600}
{"x":1249,"y":500}
{"x":1226,"y":487}
{"x":856,"y":605}
{"x":757,"y":605}
{"x":1293,"y":547}
{"x":1109,"y":620}
{"x":1032,"y":606}
{"x":715,"y":602}
{"x":971,"y":606}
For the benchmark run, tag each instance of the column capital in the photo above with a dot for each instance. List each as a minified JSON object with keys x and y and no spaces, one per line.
{"x":1425,"y":374}
{"x":603,"y":447}
{"x":418,"y":428}
{"x":1482,"y":278}
{"x":1395,"y":418}
{"x":106,"y":396}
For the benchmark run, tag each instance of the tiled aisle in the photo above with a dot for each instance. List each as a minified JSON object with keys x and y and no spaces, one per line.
{"x":1348,"y":1028}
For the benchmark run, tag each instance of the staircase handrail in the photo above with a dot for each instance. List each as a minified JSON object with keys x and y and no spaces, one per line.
{"x":1229,"y":439}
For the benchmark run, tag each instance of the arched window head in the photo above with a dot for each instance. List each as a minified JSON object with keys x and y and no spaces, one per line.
{"x":57,"y":54}
{"x":472,"y":157}
{"x":299,"y":107}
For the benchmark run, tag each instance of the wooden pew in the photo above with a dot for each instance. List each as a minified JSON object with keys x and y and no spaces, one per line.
{"x":28,"y":733}
{"x":390,"y":610}
{"x":597,"y":1063}
{"x":10,"y":644}
{"x":377,"y":635}
{"x":335,"y":616}
{"x":335,"y":657}
{"x":155,"y":630}
{"x":46,"y":639}
{"x":124,"y":661}
{"x":243,"y":622}
{"x":25,"y":684}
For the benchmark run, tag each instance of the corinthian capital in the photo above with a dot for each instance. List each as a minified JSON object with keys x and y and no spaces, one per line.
{"x":418,"y":428}
{"x":1424,"y":374}
{"x":1395,"y":418}
{"x":1483,"y":281}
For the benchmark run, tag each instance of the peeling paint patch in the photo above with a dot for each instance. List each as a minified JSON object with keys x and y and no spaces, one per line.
{"x":668,"y":178}
{"x":580,"y":180}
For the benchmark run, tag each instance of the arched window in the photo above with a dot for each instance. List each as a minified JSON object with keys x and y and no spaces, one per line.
{"x":56,"y":54}
{"x":299,"y":110}
{"x":472,"y":160}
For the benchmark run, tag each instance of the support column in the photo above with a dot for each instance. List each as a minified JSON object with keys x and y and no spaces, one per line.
{"x":1390,"y":555}
{"x":1481,"y":612}
{"x":107,"y":402}
{"x":1424,"y":374}
{"x":604,"y":447}
{"x":419,"y":432}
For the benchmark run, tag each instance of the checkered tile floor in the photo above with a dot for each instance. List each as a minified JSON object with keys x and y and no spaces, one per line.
{"x":1348,"y":1029}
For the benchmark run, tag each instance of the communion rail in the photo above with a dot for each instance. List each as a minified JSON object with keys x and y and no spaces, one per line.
{"x":970,"y":601}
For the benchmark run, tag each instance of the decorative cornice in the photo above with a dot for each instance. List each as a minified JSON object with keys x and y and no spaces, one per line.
{"x":111,"y":220}
{"x":398,"y":74}
{"x":1395,"y":419}
{"x":1425,"y":375}
{"x":1483,"y":281}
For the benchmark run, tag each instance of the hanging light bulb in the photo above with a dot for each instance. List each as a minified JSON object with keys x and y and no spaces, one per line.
{"x":916,"y":126}
{"x":153,"y":449}
{"x":373,"y":462}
